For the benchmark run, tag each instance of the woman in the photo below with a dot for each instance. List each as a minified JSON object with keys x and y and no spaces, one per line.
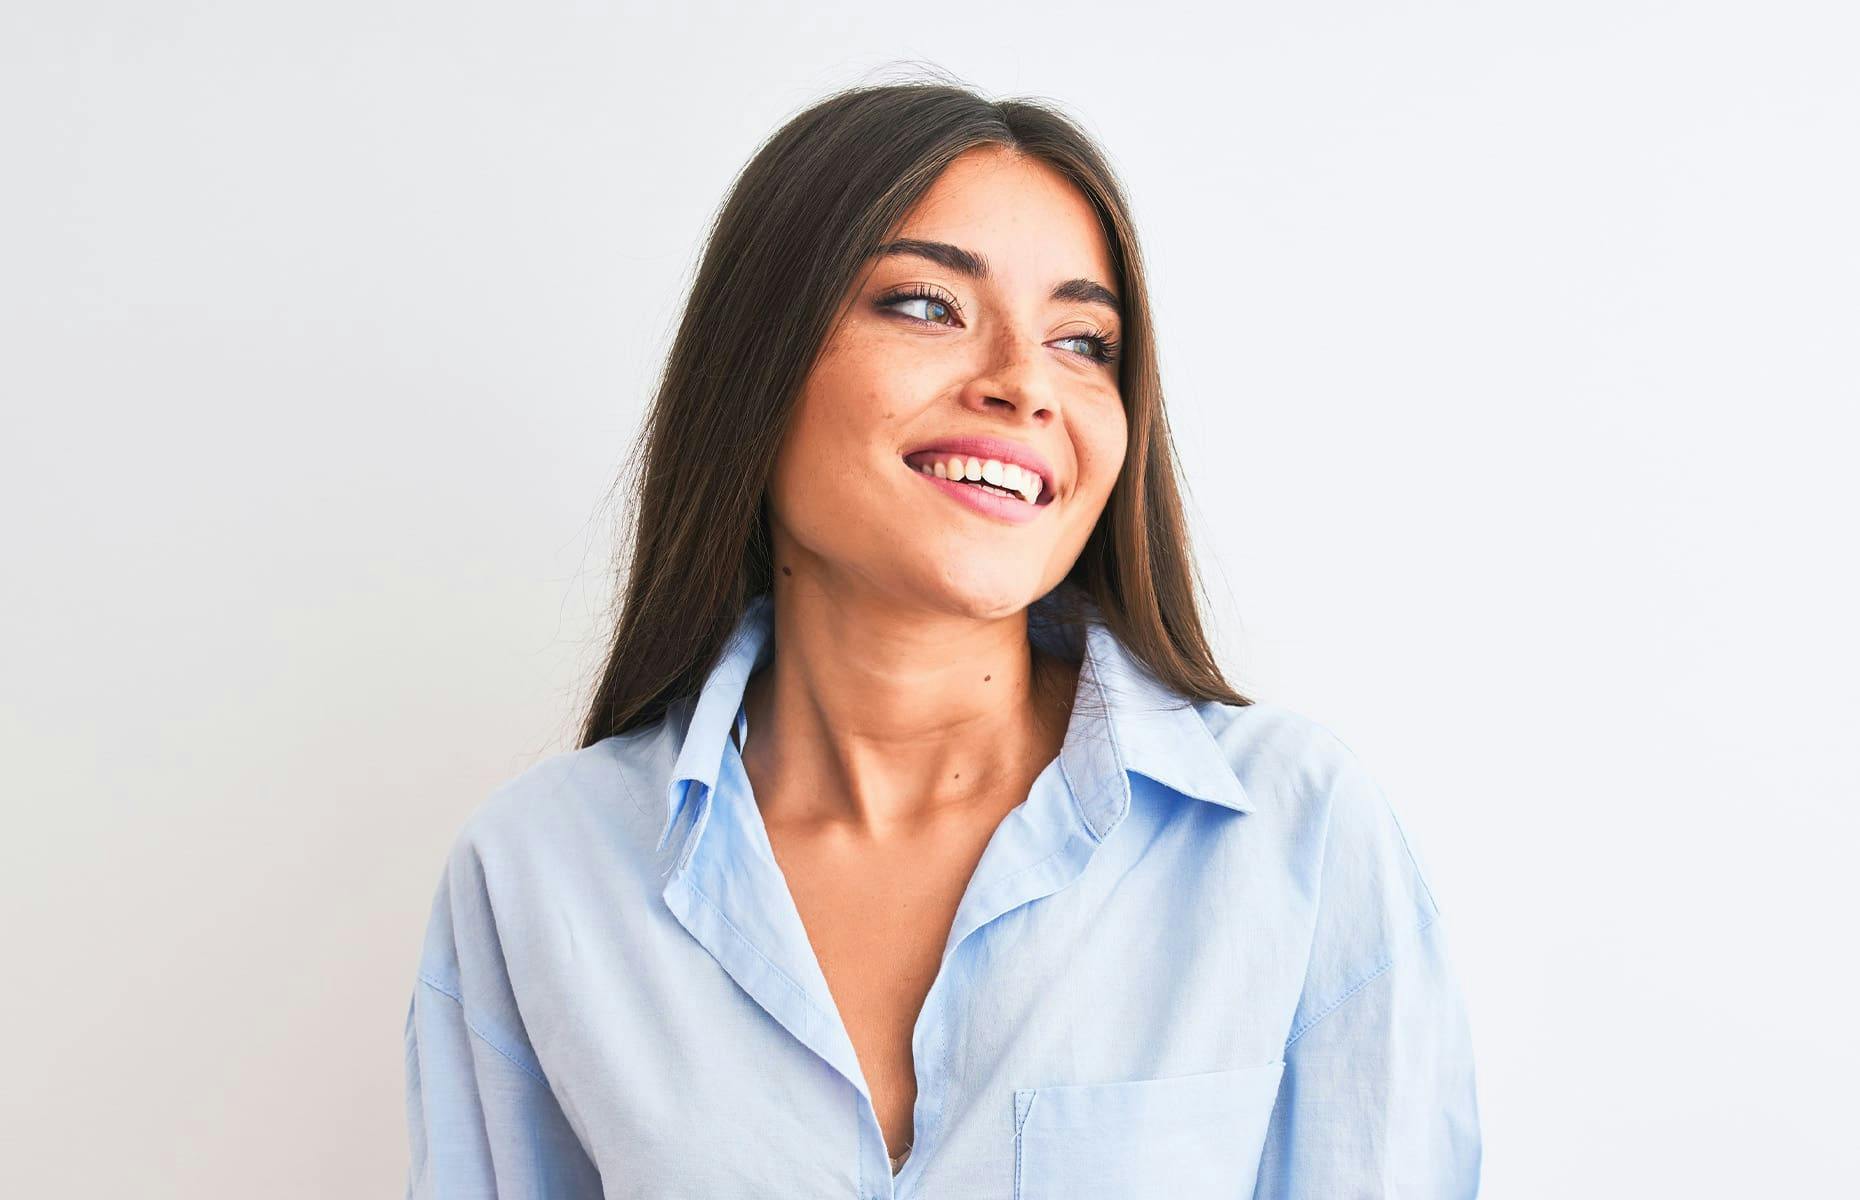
{"x":915,"y":845}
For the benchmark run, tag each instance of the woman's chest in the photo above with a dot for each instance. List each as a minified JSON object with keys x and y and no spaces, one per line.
{"x":1119,"y":1036}
{"x":878,"y":925}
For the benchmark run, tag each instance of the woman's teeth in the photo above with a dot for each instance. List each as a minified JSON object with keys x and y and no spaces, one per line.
{"x":991,"y":475}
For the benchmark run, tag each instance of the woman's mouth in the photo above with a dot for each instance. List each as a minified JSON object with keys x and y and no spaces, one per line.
{"x":1015,"y":496}
{"x":990,"y":475}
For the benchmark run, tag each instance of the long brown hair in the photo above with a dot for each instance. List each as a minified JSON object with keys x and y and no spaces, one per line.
{"x":804,"y":215}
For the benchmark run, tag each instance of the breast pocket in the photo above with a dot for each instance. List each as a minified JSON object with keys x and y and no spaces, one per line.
{"x":1186,"y":1137}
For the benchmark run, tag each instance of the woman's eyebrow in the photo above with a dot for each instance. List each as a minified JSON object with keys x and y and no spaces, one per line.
{"x":965,"y":262}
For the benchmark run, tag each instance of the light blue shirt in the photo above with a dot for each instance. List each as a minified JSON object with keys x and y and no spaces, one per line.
{"x":1198,"y":960}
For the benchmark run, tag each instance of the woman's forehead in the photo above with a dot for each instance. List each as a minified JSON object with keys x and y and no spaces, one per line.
{"x":1019,"y":216}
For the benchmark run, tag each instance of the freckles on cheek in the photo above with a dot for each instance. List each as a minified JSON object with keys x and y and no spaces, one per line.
{"x":1099,"y":467}
{"x":871,"y":381}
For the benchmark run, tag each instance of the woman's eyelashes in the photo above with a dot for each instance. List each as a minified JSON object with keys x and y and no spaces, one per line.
{"x":933,"y":298}
{"x":1104,"y":346}
{"x":1106,"y":351}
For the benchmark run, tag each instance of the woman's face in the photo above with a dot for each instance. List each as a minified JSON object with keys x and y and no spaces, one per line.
{"x":1011,"y":336}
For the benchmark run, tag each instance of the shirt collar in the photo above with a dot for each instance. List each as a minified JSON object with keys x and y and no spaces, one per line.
{"x":1124,"y":720}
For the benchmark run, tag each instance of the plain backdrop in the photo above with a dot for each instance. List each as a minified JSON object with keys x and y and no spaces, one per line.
{"x":1511,"y":354}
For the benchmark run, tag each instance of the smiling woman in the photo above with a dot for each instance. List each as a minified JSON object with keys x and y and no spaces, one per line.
{"x":1011,"y":894}
{"x":984,"y":325}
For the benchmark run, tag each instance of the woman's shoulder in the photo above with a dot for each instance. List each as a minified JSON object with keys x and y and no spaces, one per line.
{"x":574,"y":828}
{"x":1266,"y":734}
{"x":1319,"y":793}
{"x":1281,"y":750}
{"x":594,"y":798}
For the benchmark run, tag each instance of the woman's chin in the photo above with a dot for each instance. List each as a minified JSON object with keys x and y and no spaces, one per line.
{"x":981,"y":593}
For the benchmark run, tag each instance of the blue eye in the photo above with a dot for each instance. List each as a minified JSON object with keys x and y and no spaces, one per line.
{"x":1104,"y":346}
{"x":1106,"y":351}
{"x":922,"y":292}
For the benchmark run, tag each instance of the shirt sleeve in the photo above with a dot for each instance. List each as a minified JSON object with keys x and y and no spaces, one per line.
{"x":1378,"y":1097}
{"x":481,"y":1118}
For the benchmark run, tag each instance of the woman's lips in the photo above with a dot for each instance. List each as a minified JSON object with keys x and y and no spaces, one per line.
{"x":1011,"y":509}
{"x":983,"y":449}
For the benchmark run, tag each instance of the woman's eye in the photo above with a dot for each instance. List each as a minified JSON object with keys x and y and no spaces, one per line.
{"x":933,"y":309}
{"x":927,"y":308}
{"x":1099,"y":349}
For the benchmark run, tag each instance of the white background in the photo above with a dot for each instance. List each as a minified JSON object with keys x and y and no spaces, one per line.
{"x":1511,"y":352}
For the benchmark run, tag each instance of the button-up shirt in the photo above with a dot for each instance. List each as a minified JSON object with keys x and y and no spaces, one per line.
{"x":1200,"y":959}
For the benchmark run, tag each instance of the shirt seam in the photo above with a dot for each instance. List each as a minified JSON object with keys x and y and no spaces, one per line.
{"x":482,"y":1036}
{"x":1388,"y":808}
{"x":1360,"y":984}
{"x":633,"y":796}
{"x":1415,"y":863}
{"x":742,"y":937}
